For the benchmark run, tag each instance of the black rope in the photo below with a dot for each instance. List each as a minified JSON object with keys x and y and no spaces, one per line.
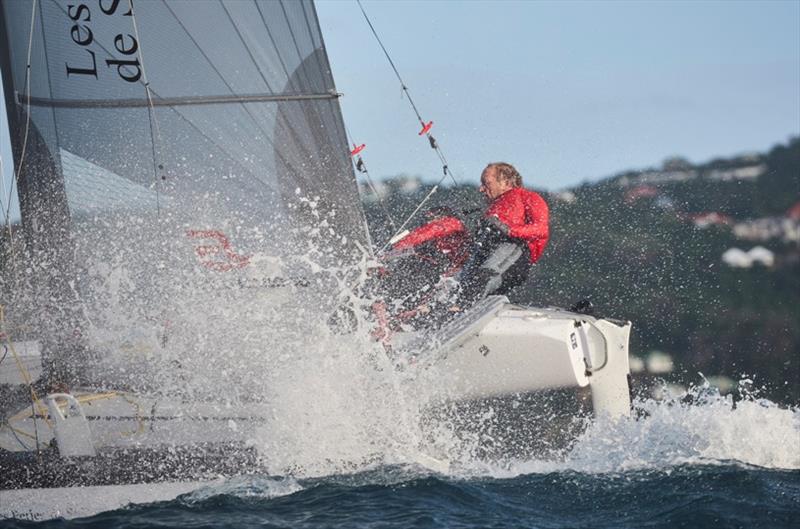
{"x":33,"y":416}
{"x":434,"y":144}
{"x":14,"y":433}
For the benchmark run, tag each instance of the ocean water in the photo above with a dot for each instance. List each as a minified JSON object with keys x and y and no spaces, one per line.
{"x":718,"y":495}
{"x":696,"y":460}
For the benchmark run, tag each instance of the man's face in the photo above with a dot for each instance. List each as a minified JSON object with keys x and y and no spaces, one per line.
{"x":491,"y":186}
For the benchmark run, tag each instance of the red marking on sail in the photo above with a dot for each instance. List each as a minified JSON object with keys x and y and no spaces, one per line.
{"x":426,"y":127}
{"x":357,"y":149}
{"x":219,"y":256}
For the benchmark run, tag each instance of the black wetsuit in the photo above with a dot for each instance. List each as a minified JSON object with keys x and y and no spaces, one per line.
{"x":498,"y":263}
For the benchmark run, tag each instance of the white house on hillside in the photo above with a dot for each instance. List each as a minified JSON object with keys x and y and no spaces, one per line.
{"x":736,"y":258}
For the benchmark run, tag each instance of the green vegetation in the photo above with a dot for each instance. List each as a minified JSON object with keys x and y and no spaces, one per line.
{"x":645,"y":261}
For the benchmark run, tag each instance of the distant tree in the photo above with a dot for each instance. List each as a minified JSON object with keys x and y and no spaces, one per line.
{"x":676,"y":163}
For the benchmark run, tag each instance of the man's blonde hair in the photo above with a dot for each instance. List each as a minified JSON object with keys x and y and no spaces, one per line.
{"x":507,"y":173}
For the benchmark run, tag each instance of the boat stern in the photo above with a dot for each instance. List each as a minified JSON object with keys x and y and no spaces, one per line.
{"x":497,"y":349}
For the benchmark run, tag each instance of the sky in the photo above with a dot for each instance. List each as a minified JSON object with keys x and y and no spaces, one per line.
{"x":567,"y":91}
{"x":9,"y":201}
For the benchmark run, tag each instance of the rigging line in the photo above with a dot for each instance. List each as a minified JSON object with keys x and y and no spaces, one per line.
{"x":431,"y":139}
{"x":413,"y":213}
{"x":362,"y":168}
{"x":425,"y":127}
{"x":27,"y":121}
{"x":155,"y":135}
{"x":391,"y":62}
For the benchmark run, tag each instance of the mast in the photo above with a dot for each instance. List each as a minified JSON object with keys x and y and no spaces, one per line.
{"x":44,"y":211}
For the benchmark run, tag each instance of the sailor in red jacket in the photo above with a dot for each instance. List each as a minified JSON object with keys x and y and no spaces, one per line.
{"x":512,"y":235}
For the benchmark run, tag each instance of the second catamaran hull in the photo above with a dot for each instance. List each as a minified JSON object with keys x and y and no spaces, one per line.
{"x":71,"y":502}
{"x":44,"y":485}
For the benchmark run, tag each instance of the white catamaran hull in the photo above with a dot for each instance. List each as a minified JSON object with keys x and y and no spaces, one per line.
{"x":498,"y":348}
{"x":80,"y":502}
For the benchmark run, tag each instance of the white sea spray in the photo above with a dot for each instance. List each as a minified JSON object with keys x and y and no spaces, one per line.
{"x":697,"y":427}
{"x":245,"y":487}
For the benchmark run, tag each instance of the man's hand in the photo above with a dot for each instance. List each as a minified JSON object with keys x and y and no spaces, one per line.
{"x":499,"y":225}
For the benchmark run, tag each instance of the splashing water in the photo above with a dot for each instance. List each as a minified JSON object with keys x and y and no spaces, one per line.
{"x":334,"y":403}
{"x":699,"y":427}
{"x":345,"y":408}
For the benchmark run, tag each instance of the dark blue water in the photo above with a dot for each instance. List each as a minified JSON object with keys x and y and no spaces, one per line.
{"x":719,"y":495}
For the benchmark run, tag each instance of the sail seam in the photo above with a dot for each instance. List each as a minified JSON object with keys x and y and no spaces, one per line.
{"x":155,"y":135}
{"x":345,"y":163}
{"x":171,"y":101}
{"x":302,"y":68}
{"x":302,"y":64}
{"x":263,"y":77}
{"x":246,"y":47}
{"x":247,"y":110}
{"x":291,"y":83}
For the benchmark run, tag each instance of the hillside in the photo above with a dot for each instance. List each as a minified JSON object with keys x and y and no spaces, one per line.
{"x":637,"y":246}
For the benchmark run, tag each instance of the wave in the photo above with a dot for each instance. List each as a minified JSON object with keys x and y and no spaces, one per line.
{"x":697,"y":427}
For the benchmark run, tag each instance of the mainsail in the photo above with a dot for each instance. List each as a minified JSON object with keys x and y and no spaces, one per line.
{"x":181,"y":164}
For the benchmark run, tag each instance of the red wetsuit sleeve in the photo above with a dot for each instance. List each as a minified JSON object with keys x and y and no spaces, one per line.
{"x":431,"y":231}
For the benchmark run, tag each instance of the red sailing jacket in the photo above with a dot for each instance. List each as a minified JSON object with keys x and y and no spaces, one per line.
{"x":448,"y":234}
{"x":527,"y":216}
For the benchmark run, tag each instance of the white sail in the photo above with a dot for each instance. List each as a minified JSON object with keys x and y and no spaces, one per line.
{"x":179,"y":154}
